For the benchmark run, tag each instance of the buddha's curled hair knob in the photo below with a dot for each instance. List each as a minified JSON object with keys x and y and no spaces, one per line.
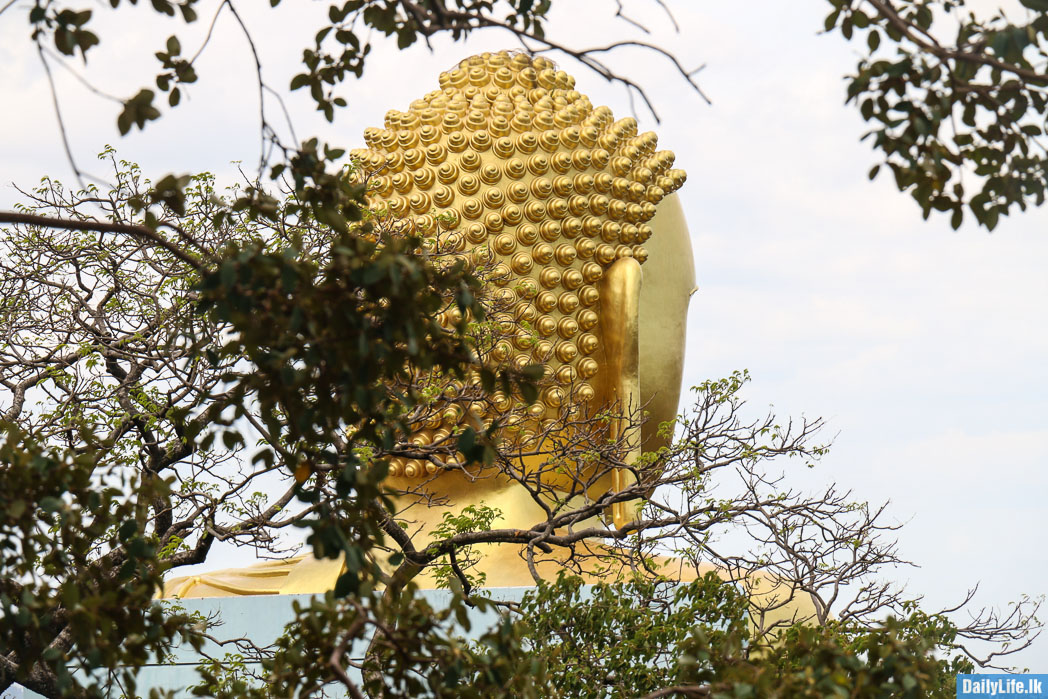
{"x":542,"y":193}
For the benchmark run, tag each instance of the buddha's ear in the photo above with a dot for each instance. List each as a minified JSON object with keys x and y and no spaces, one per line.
{"x":620,"y":338}
{"x":620,"y":331}
{"x":669,"y":282}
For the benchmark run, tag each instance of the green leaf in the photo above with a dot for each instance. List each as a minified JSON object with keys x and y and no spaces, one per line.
{"x":65,"y":42}
{"x":127,"y":529}
{"x":50,"y":503}
{"x":16,"y":509}
{"x":137,"y":111}
{"x":85,"y":40}
{"x":873,"y":40}
{"x":228,"y":274}
{"x":831,"y":20}
{"x":533,"y":372}
{"x":467,"y":440}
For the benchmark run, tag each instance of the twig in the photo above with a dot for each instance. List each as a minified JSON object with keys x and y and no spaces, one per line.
{"x":58,"y":115}
{"x":690,"y":690}
{"x":885,"y":9}
{"x":81,"y":79}
{"x":140,"y":232}
{"x":339,"y":650}
{"x":263,"y":123}
{"x":210,"y":30}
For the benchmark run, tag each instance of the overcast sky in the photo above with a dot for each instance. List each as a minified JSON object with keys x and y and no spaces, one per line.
{"x":923,"y":347}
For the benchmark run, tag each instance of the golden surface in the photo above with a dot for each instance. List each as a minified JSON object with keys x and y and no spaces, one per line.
{"x":511,"y":169}
{"x":620,"y":328}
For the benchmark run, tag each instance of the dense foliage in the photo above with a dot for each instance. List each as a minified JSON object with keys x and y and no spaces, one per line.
{"x":258,"y":377}
{"x":956,"y":101}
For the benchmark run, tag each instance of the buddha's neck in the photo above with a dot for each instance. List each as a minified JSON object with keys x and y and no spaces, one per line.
{"x":514,"y":507}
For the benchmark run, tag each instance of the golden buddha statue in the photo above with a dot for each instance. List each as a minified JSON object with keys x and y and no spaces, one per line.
{"x":515,"y":170}
{"x":522,"y":174}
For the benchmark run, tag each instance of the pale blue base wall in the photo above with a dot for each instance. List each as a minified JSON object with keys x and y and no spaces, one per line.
{"x":262,"y":619}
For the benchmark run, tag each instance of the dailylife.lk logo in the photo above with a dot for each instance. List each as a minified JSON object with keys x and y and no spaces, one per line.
{"x":1002,"y":686}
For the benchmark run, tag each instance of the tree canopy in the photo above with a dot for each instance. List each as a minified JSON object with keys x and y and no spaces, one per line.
{"x":154,"y":403}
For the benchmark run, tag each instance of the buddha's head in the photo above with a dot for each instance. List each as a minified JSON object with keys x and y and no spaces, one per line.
{"x":510,"y":167}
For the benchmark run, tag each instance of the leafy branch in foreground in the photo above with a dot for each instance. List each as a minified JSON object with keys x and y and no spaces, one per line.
{"x":79,"y":571}
{"x":957,"y":102}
